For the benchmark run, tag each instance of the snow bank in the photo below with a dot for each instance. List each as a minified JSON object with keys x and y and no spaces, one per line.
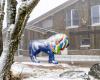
{"x":21,"y":70}
{"x":31,"y":78}
{"x":42,"y":71}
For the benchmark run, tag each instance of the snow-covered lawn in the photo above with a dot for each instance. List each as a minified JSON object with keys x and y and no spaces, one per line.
{"x":44,"y":71}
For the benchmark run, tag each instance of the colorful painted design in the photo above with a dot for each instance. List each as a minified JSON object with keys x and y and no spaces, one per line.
{"x":51,"y":46}
{"x":58,"y":42}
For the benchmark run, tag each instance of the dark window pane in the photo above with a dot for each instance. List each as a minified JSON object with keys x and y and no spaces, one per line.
{"x":85,"y":41}
{"x":68,"y":18}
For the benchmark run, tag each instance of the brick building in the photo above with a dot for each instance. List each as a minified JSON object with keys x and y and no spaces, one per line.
{"x":79,"y":19}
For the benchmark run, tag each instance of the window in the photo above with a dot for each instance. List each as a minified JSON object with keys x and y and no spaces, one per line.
{"x":95,"y":14}
{"x":85,"y":41}
{"x":72,"y":18}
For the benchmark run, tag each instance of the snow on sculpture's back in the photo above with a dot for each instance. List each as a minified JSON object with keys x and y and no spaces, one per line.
{"x":52,"y":45}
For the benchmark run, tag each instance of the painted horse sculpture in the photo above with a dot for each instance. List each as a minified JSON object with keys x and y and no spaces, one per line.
{"x":51,"y":46}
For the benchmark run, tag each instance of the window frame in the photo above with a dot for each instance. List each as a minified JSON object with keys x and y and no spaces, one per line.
{"x":92,"y":23}
{"x":71,"y":20}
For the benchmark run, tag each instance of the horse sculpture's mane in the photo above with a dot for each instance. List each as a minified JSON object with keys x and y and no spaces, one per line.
{"x":56,"y":37}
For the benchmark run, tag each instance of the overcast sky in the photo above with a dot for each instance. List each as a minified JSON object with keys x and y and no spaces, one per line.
{"x":44,"y":6}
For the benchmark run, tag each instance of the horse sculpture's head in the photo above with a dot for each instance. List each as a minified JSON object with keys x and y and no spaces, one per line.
{"x":60,"y":42}
{"x":63,"y":42}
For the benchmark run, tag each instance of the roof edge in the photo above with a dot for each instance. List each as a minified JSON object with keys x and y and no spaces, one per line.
{"x":51,"y":12}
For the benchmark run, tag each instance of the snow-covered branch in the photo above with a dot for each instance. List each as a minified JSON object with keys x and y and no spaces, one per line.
{"x":2,"y":5}
{"x":22,"y":16}
{"x":11,"y":12}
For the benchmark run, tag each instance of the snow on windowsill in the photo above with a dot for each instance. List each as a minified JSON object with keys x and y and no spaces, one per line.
{"x":95,"y":24}
{"x":70,"y":27}
{"x":84,"y":45}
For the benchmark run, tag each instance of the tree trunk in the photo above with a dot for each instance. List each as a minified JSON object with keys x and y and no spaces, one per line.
{"x":16,"y":27}
{"x":2,"y":4}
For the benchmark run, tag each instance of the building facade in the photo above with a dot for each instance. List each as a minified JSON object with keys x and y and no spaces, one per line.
{"x":79,"y":19}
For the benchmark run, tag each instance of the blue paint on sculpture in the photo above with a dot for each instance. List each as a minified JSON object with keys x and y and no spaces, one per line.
{"x":51,"y":46}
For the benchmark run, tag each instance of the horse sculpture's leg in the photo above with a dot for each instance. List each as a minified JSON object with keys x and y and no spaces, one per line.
{"x":33,"y":54}
{"x":52,"y":58}
{"x":34,"y":59}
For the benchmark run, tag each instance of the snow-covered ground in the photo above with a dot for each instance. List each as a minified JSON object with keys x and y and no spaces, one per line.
{"x":44,"y":71}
